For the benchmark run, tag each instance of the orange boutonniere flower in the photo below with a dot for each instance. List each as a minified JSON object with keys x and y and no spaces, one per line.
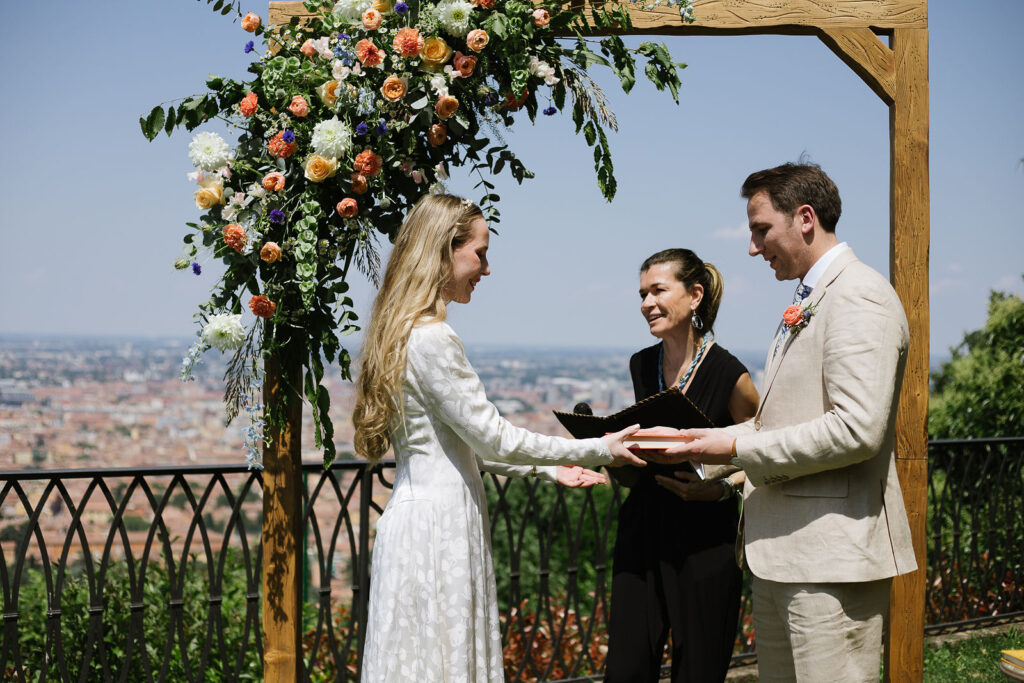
{"x":795,"y":318}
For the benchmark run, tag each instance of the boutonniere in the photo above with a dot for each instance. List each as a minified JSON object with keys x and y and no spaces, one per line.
{"x":796,"y":317}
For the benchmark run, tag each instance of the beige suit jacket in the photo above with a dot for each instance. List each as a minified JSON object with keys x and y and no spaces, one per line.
{"x":822,"y":502}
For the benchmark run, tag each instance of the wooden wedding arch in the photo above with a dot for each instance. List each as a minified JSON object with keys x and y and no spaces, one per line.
{"x":886,"y":43}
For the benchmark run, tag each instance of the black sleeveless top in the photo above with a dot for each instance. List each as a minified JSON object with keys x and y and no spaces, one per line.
{"x":654,"y":523}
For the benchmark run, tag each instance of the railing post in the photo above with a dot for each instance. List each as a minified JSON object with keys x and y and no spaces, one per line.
{"x":282,"y":517}
{"x":361,"y":594}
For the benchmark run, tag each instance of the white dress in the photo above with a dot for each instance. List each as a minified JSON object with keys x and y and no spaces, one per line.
{"x":433,"y":613}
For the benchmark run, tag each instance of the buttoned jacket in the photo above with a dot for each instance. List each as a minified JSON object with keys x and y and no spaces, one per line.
{"x":822,"y":502}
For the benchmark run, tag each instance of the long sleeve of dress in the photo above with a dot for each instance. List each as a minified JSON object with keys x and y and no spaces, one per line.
{"x":454,"y":393}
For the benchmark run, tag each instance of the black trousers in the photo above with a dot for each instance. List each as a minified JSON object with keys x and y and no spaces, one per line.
{"x":694,"y":593}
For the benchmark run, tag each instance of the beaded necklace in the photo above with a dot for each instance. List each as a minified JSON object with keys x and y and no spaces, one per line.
{"x":689,"y":370}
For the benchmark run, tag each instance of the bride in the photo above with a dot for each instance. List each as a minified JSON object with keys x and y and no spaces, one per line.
{"x":433,"y":613}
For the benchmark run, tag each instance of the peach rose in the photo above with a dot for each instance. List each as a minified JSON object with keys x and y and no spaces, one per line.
{"x":477,"y":40}
{"x":541,"y":17}
{"x":359,"y":183}
{"x":464,"y":64}
{"x":368,"y":163}
{"x":270,"y":252}
{"x":262,"y":306}
{"x":299,"y":107}
{"x":319,"y":169}
{"x":446,"y":106}
{"x":248,"y":105}
{"x":279,"y":148}
{"x":234,"y":236}
{"x":793,"y":315}
{"x":308,"y":48}
{"x":273,"y":181}
{"x":210,"y":192}
{"x":250,"y":22}
{"x":408,"y":42}
{"x":347,"y":207}
{"x":486,"y":4}
{"x":437,"y":135}
{"x":368,"y":53}
{"x":435,"y":53}
{"x":394,"y":88}
{"x":372,"y":19}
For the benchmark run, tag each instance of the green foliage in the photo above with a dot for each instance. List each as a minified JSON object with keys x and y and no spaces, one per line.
{"x":973,"y":659}
{"x":980,"y":392}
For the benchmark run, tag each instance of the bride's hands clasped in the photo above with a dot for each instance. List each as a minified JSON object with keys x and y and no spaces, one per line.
{"x":623,"y":456}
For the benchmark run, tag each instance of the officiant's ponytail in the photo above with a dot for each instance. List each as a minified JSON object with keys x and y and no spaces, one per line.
{"x":690,"y":270}
{"x":412,"y":289}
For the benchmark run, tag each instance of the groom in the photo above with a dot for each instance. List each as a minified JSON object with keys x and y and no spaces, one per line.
{"x":824,"y":529}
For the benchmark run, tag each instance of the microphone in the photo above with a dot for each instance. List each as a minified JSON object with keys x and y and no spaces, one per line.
{"x":582,"y":409}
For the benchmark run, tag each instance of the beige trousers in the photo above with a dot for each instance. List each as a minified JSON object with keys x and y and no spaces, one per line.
{"x":815,"y":632}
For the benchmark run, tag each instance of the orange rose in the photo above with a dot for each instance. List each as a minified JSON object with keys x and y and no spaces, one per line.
{"x":248,"y":105}
{"x":464,"y":64}
{"x":359,"y":184}
{"x":308,"y":48}
{"x":437,"y":135}
{"x":792,"y":315}
{"x":512,"y":103}
{"x":250,"y":22}
{"x":273,"y":182}
{"x":446,"y":106}
{"x":262,"y":306}
{"x":477,"y":39}
{"x":541,"y":17}
{"x":368,"y":163}
{"x":234,"y":236}
{"x":368,"y":53}
{"x":435,"y":53}
{"x":394,"y":88}
{"x":347,"y":207}
{"x":318,"y":169}
{"x":279,"y":148}
{"x":299,"y":107}
{"x":486,"y":4}
{"x":372,"y":19}
{"x":408,"y":42}
{"x":270,"y":252}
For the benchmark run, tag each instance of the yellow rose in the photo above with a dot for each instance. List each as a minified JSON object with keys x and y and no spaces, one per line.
{"x":319,"y":169}
{"x":210,"y":192}
{"x":328,"y":92}
{"x":435,"y":53}
{"x":382,"y":6}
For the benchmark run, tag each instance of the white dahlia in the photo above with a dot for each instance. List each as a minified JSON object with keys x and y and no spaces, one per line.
{"x":224,"y":331}
{"x":454,"y":16}
{"x":208,"y":151}
{"x":331,"y":138}
{"x":352,"y":10}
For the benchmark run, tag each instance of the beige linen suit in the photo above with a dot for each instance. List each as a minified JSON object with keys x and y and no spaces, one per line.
{"x":822,"y":502}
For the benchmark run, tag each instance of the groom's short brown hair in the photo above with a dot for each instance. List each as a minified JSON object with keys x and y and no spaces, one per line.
{"x":792,"y":185}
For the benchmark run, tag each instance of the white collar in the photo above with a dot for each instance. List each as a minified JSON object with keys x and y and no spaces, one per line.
{"x":822,"y":264}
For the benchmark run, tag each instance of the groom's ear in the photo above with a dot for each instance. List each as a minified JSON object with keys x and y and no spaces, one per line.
{"x":806,"y":217}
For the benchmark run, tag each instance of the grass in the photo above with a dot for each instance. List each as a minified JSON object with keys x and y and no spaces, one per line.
{"x":975,"y":658}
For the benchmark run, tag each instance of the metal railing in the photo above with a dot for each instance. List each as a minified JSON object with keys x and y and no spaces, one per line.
{"x":153,"y":574}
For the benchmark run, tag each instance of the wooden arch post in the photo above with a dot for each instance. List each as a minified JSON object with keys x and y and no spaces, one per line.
{"x":898,"y":73}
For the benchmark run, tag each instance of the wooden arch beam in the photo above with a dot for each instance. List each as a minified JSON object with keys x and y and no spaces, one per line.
{"x":870,"y":58}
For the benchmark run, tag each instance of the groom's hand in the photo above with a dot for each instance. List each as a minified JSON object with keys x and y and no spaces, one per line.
{"x":707,"y":446}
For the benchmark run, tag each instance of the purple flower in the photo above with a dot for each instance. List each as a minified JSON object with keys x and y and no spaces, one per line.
{"x":196,"y":268}
{"x":362,"y":129}
{"x":288,"y":136}
{"x":491,"y":99}
{"x":401,"y":8}
{"x":276,"y":216}
{"x":249,"y":47}
{"x":342,"y":36}
{"x":382,"y":128}
{"x":550,"y":111}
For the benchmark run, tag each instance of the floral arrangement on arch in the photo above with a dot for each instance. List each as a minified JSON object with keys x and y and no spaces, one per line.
{"x":348,"y":119}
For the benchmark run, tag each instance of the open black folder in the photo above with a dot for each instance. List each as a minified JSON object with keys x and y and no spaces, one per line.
{"x":670,"y":408}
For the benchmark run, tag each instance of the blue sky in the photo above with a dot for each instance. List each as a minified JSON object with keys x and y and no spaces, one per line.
{"x":93,"y":214}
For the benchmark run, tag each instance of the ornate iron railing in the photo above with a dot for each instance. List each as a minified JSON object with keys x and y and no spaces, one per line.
{"x":153,"y":574}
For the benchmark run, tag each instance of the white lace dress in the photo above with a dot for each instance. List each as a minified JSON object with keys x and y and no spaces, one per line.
{"x":433,"y":613}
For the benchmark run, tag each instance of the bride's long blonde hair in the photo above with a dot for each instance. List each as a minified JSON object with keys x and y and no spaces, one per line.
{"x":418,"y":270}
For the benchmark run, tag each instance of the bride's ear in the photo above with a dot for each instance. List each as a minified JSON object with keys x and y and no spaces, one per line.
{"x":697,"y":292}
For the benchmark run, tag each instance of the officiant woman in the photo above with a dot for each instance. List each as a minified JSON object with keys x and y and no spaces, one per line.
{"x":674,"y":567}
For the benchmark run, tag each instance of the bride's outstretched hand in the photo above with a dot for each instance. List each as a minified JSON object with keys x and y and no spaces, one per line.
{"x":622,"y":455}
{"x":576,"y":477}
